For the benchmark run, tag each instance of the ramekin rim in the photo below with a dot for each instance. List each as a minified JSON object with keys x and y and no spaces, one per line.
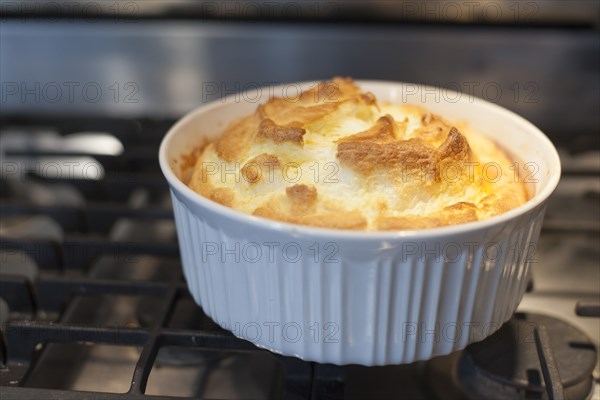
{"x":362,"y":235}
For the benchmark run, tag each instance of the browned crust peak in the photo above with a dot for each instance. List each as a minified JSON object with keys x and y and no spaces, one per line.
{"x":282,"y":120}
{"x":364,"y":157}
{"x":253,"y":170}
{"x":324,"y":98}
{"x":369,"y":98}
{"x":378,"y":148}
{"x":335,"y":90}
{"x":384,"y":131}
{"x":302,"y":194}
{"x":279,"y":134}
{"x":434,"y":129}
{"x":455,"y":147}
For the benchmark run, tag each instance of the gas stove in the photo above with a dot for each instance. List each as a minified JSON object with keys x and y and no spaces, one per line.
{"x":93,"y":303}
{"x":92,"y":299}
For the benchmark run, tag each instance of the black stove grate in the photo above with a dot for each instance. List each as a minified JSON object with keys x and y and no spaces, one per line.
{"x":113,"y":237}
{"x":41,"y":303}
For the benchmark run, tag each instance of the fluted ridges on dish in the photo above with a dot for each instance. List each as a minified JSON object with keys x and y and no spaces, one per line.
{"x":381,"y":312}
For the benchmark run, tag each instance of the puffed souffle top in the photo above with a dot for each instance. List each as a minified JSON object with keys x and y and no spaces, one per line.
{"x":335,"y":157}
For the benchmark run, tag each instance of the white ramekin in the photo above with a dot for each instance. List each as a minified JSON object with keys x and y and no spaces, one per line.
{"x":345,"y":297}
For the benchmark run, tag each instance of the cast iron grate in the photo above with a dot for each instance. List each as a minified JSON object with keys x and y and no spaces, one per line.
{"x":41,"y":303}
{"x":86,"y":248}
{"x":23,"y":336}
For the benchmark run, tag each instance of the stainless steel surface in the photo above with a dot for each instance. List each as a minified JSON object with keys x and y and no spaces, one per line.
{"x":162,"y":68}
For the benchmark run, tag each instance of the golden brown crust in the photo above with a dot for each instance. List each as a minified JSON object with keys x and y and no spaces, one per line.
{"x":334,"y":91}
{"x":302,"y":194}
{"x":312,"y":104}
{"x":409,"y":154}
{"x":279,"y":134}
{"x":302,"y":199}
{"x":222,"y":196}
{"x":233,"y":144}
{"x":256,"y":168}
{"x":338,"y":159}
{"x":188,"y":160}
{"x":455,"y":147}
{"x":279,"y":112}
{"x":352,"y":220}
{"x":499,"y":203}
{"x":434,"y":128}
{"x":369,"y":98}
{"x":385,"y":130}
{"x":377,"y":147}
{"x":458,"y":213}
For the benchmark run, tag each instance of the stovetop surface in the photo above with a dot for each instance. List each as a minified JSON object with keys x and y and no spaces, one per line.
{"x":93,"y":298}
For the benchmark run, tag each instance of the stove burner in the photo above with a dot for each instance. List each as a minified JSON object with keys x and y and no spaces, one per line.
{"x":521,"y":358}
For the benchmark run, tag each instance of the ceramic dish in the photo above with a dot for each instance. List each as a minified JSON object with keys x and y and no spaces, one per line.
{"x":370,"y":298}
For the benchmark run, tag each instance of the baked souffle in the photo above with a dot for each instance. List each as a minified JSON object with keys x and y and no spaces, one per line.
{"x":335,"y":157}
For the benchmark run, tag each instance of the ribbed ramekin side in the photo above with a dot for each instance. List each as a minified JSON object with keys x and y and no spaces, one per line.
{"x":385,"y":311}
{"x":455,"y":277}
{"x":402,"y":286}
{"x":503,"y":274}
{"x":456,"y":298}
{"x":397,"y":307}
{"x":528,"y":256}
{"x":184,"y":236}
{"x":440,"y":297}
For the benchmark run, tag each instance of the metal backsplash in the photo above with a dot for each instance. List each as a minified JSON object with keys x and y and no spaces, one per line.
{"x":165,"y":67}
